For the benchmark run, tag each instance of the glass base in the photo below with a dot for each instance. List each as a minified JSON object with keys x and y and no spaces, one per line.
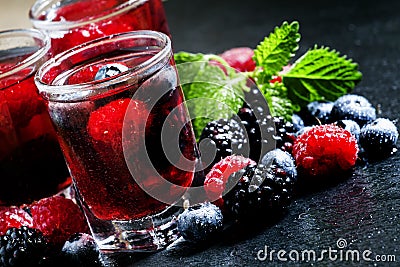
{"x":148,"y":234}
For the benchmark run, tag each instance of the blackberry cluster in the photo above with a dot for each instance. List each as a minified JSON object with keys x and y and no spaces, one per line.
{"x":285,"y":134}
{"x":226,"y":137}
{"x":22,"y":247}
{"x":262,"y":187}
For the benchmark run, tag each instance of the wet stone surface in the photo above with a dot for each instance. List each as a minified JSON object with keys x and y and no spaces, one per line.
{"x":360,"y":213}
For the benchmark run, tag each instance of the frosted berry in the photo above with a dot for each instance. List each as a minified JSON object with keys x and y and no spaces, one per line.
{"x":379,"y":138}
{"x":110,"y":70}
{"x":81,"y":250}
{"x":201,"y":222}
{"x":353,"y":107}
{"x":319,"y":112}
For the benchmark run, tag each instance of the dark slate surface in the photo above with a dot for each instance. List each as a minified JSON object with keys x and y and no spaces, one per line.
{"x":364,"y":209}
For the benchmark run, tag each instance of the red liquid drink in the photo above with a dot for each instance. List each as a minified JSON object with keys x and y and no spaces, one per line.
{"x":112,"y":129}
{"x":70,"y":23}
{"x":31,"y":163}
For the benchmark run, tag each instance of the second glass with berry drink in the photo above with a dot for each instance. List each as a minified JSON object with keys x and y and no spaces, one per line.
{"x":72,"y":22}
{"x":32,"y":165}
{"x":126,"y":135}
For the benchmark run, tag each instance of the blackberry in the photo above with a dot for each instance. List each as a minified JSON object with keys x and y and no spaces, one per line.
{"x":258,"y":123}
{"x":201,"y":222}
{"x":353,"y":107}
{"x":252,"y":127}
{"x":379,"y":138}
{"x":224,"y":136}
{"x":81,"y":250}
{"x":261,"y":188}
{"x":22,"y":247}
{"x":285,"y":134}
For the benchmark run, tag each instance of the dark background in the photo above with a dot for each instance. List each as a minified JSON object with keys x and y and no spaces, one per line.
{"x":365,"y":209}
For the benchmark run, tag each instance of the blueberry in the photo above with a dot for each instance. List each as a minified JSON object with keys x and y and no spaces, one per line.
{"x":297,"y":122}
{"x":200,"y":222}
{"x":319,"y":112}
{"x":280,"y":159}
{"x":81,"y":250}
{"x":353,"y":107}
{"x":110,"y":70}
{"x":379,"y":138}
{"x":351,"y":126}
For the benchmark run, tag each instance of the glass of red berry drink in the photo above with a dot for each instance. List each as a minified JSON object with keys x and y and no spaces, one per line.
{"x":72,"y":22}
{"x":123,"y":125}
{"x":32,"y":165}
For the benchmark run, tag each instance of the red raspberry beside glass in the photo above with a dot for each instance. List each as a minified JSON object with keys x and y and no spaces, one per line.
{"x":70,"y":23}
{"x":31,"y":163}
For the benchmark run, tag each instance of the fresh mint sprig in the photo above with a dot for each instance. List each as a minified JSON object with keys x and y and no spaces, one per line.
{"x":320,"y":74}
{"x":275,"y":51}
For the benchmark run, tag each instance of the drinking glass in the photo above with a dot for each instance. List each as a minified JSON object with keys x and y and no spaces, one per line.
{"x":31,"y":162}
{"x":123,"y":125}
{"x":72,"y":22}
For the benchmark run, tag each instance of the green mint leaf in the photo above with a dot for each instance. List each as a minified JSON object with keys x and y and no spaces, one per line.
{"x":276,"y":50}
{"x":210,"y":92}
{"x":320,"y":74}
{"x":183,"y":57}
{"x":279,"y":104}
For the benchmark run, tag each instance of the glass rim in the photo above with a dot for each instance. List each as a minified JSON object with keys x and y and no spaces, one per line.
{"x":32,"y":59}
{"x":42,"y":5}
{"x":47,"y":90}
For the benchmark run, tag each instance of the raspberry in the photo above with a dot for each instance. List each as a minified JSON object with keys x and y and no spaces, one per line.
{"x":227,"y":136}
{"x":240,"y":58}
{"x":324,"y":150}
{"x":22,"y":247}
{"x":216,"y":179}
{"x":105,"y":124}
{"x":23,"y":102}
{"x":85,"y":75}
{"x":201,"y":222}
{"x":263,"y":188}
{"x":14,"y":217}
{"x":58,"y":218}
